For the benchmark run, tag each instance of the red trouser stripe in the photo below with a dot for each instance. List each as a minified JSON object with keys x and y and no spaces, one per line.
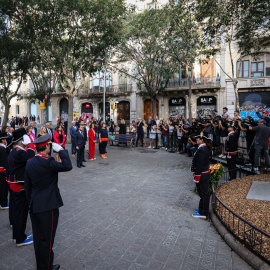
{"x":50,"y":243}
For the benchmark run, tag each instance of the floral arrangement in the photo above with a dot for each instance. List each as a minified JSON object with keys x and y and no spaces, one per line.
{"x":216,"y":172}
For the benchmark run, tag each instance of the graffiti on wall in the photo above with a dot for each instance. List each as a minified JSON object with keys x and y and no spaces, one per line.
{"x":249,"y":101}
{"x":90,"y":115}
{"x":203,"y":111}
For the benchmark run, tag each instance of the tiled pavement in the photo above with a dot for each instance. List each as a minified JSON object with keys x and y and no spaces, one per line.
{"x":131,"y":211}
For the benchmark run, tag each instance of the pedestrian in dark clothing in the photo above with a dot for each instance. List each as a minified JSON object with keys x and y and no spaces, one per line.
{"x":262,"y":133}
{"x":80,"y":146}
{"x":140,"y":132}
{"x":103,"y":140}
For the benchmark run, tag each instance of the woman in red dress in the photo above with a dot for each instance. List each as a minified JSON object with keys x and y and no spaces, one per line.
{"x":92,"y":142}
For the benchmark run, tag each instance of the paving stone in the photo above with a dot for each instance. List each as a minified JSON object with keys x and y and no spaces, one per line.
{"x":132,"y":211}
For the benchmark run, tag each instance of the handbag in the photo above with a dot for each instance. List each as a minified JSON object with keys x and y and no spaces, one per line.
{"x":111,"y":138}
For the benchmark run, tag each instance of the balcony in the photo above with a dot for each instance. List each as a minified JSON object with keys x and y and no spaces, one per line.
{"x":119,"y":89}
{"x":253,"y":82}
{"x":211,"y":82}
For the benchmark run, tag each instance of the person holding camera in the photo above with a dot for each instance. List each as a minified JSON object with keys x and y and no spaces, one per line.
{"x":249,"y":134}
{"x":264,"y":116}
{"x":192,"y":145}
{"x":223,"y":124}
{"x":262,"y":133}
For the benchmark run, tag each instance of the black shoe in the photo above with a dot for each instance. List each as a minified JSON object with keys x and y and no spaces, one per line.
{"x":56,"y":267}
{"x":82,"y":165}
{"x":84,"y":160}
{"x":79,"y":166}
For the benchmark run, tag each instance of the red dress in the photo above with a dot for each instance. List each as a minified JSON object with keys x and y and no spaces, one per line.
{"x":92,"y":145}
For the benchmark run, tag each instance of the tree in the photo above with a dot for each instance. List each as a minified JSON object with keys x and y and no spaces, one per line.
{"x":142,"y":55}
{"x":183,"y":39}
{"x":70,"y":34}
{"x":44,"y":84}
{"x":238,"y":24}
{"x":15,"y":55}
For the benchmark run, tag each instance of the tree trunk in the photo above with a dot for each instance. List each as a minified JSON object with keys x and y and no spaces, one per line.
{"x":237,"y":105}
{"x":4,"y":121}
{"x":154,"y":108}
{"x":70,"y":116}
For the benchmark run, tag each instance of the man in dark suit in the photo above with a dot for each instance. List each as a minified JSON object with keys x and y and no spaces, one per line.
{"x":50,"y":132}
{"x":73,"y":130}
{"x":99,"y":120}
{"x":34,"y":129}
{"x":80,"y":146}
{"x":44,"y":199}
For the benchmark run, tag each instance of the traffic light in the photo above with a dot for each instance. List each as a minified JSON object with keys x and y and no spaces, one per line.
{"x":114,"y":105}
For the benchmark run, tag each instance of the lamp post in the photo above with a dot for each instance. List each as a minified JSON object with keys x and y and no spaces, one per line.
{"x":104,"y":88}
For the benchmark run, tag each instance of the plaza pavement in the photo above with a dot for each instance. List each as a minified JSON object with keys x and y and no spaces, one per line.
{"x":130,"y":211}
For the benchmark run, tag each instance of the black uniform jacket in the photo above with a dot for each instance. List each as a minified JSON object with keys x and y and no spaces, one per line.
{"x":200,"y":161}
{"x":231,"y":144}
{"x":17,"y":161}
{"x":3,"y":162}
{"x":41,"y":182}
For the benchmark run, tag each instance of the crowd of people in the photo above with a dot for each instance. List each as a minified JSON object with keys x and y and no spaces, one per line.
{"x":178,"y":135}
{"x":17,"y":120}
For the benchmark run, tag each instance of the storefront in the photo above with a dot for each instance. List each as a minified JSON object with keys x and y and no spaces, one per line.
{"x":177,"y":106}
{"x":206,"y":106}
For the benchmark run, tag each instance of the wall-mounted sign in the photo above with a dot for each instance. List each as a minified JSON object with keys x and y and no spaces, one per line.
{"x":87,"y":106}
{"x":206,"y":101}
{"x":177,"y":102}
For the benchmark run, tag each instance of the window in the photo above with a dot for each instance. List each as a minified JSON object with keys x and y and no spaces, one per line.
{"x":244,"y":69}
{"x":151,"y":6}
{"x":17,"y":109}
{"x":257,"y":69}
{"x":267,"y":71}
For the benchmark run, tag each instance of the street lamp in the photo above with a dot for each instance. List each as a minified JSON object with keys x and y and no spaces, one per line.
{"x":104,"y":89}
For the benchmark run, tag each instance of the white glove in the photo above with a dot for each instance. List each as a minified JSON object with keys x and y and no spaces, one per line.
{"x":26,"y":140}
{"x":56,"y":147}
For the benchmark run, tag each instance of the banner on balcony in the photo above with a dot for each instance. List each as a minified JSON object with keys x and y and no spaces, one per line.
{"x":248,"y":101}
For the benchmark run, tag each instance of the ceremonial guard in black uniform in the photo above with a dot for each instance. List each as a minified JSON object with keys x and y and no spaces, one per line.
{"x":231,"y":148}
{"x":200,"y":167}
{"x":3,"y":172}
{"x":10,"y":210}
{"x":17,"y":160}
{"x":44,"y":199}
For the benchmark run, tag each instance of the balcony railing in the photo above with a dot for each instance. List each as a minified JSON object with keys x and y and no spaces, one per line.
{"x":119,"y":88}
{"x":195,"y":82}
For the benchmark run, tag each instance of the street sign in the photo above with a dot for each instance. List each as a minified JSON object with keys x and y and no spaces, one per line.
{"x":46,"y":96}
